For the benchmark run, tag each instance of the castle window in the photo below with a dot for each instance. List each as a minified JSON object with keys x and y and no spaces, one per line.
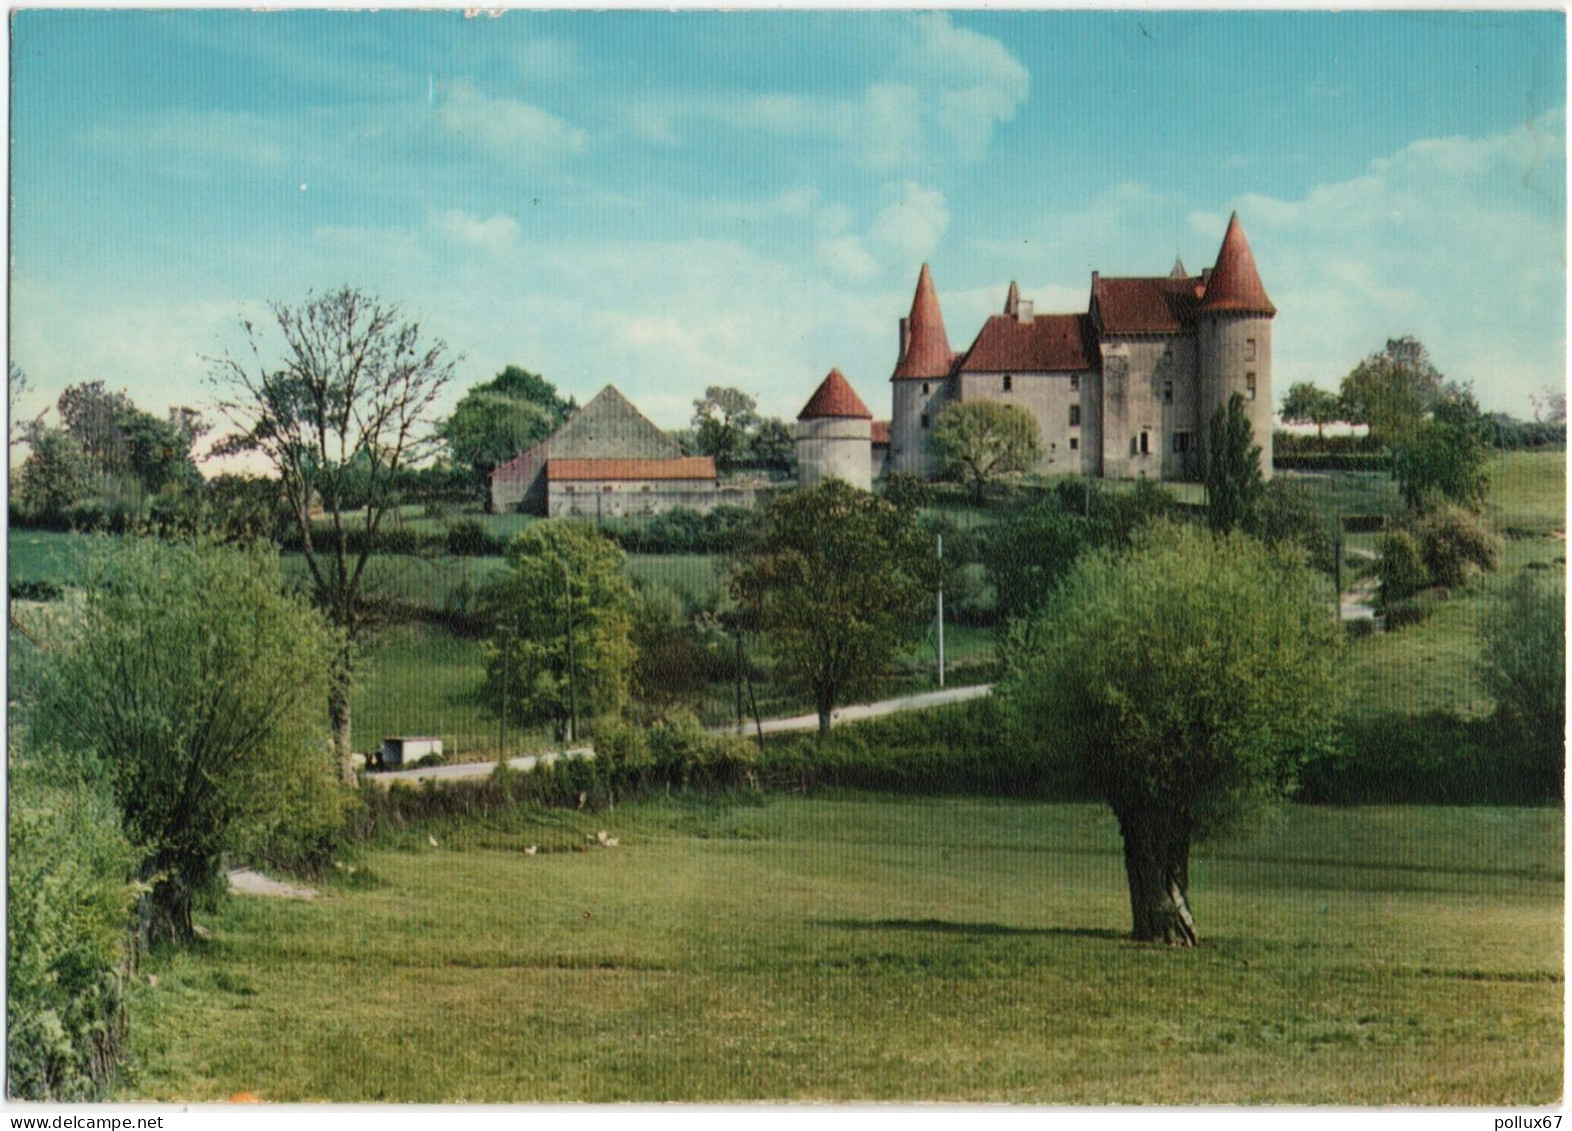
{"x":1168,"y":392}
{"x":1181,"y":443}
{"x":1250,"y":385}
{"x":1144,"y":443}
{"x":1249,"y":349}
{"x":925,"y":420}
{"x":1007,"y":381}
{"x":1168,"y":355}
{"x":925,"y":388}
{"x":1075,"y":382}
{"x":1075,"y":415}
{"x":1075,"y":443}
{"x":606,"y":488}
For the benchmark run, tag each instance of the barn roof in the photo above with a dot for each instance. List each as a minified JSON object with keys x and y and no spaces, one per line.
{"x":579,"y":470}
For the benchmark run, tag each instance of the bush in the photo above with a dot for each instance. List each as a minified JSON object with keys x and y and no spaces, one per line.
{"x":1410,"y":611}
{"x":1456,"y":544}
{"x":1289,"y":516}
{"x":908,"y":492}
{"x":68,"y":903}
{"x":35,"y":591}
{"x":467,"y":538}
{"x":1401,"y":568}
{"x":1331,"y":461}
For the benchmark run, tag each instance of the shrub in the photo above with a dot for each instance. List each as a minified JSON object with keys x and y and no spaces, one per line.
{"x":1401,"y":568}
{"x":1456,"y":545}
{"x":1289,"y":516}
{"x":68,"y":902}
{"x":1410,"y":611}
{"x":906,"y":491}
{"x":467,"y":538}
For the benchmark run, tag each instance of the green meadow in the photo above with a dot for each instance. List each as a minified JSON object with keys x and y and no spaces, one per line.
{"x":870,"y":948}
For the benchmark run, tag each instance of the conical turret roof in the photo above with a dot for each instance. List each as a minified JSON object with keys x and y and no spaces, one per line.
{"x":1235,"y":285}
{"x":834,"y":397}
{"x":927,"y":346}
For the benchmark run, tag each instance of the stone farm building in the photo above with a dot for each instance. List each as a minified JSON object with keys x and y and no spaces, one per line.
{"x":609,"y":461}
{"x":1124,"y":390}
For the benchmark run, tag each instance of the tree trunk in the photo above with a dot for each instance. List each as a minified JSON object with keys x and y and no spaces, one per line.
{"x":825,"y":705}
{"x":1157,"y":865}
{"x":338,"y":715}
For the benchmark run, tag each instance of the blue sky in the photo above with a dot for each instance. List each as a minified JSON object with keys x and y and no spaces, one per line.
{"x":668,"y":201}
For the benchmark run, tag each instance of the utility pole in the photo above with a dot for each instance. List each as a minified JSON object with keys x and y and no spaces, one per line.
{"x":939,"y":618}
{"x":737,"y":637}
{"x":502,"y":721}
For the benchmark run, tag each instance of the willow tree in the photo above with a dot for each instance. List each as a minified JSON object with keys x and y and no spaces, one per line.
{"x":337,"y":399}
{"x":1185,"y":683}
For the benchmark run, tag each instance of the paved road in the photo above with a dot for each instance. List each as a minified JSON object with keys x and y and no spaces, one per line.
{"x":849,"y":714}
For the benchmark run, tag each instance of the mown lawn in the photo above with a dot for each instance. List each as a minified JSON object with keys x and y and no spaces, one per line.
{"x":867,"y":948}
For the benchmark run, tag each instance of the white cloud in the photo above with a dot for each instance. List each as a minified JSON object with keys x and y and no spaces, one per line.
{"x":1459,"y":241}
{"x":506,"y":126}
{"x":847,"y":257}
{"x":496,"y":234}
{"x":909,"y":228}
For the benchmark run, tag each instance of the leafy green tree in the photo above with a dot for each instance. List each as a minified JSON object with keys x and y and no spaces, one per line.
{"x":723,"y":422}
{"x":674,"y":661}
{"x":500,"y":418}
{"x":838,"y":582}
{"x":774,"y":446}
{"x":1028,"y":553}
{"x":1233,"y":469}
{"x":986,"y":440}
{"x":1185,"y":683}
{"x":1523,"y":666}
{"x":1391,"y":391}
{"x":54,"y":475}
{"x":1288,"y":516}
{"x":564,"y":615}
{"x":195,"y":683}
{"x":1310,"y":404}
{"x":1445,"y":455}
{"x":92,"y":415}
{"x":339,"y":416}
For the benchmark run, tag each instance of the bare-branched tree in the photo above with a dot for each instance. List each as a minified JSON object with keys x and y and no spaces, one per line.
{"x":342,"y":410}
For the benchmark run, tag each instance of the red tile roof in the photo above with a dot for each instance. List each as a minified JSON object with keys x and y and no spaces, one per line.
{"x":1153,"y":305}
{"x":927,"y":346}
{"x":684,"y":467}
{"x":1235,"y":284}
{"x":1053,"y":343}
{"x":834,"y":397}
{"x":880,"y":431}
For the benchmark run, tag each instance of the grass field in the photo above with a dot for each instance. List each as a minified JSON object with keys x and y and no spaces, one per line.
{"x":873,"y":949}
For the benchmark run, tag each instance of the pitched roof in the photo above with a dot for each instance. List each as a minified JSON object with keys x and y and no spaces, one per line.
{"x":605,"y":428}
{"x":1048,"y":343}
{"x":879,"y":432}
{"x":834,"y":397}
{"x":1145,"y":305}
{"x":1235,"y":284}
{"x":684,"y":467}
{"x":927,"y":346}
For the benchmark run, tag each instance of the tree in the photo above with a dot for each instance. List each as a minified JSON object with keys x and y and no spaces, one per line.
{"x":774,"y":446}
{"x":1391,"y":391}
{"x":1309,"y":404}
{"x":1550,"y":405}
{"x":564,"y":613}
{"x":1233,"y":469}
{"x":986,"y":440}
{"x":17,"y":386}
{"x":1029,"y":552}
{"x":500,"y":418}
{"x":1523,"y":667}
{"x":92,"y":415}
{"x":723,"y":420}
{"x":838,"y":582}
{"x":1184,"y":683}
{"x":54,"y":475}
{"x":674,"y":662}
{"x":1445,"y":455}
{"x":338,"y":416}
{"x":194,"y":684}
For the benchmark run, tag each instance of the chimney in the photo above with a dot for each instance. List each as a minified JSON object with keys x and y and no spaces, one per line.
{"x":1023,"y":311}
{"x":906,"y":338}
{"x":1206,"y":275}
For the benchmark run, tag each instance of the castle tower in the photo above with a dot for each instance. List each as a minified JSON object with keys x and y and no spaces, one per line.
{"x":835,"y":436}
{"x":1234,"y":341}
{"x":920,"y":381}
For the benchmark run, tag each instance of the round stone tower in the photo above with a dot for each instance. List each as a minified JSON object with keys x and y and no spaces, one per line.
{"x":1234,"y":342}
{"x":835,"y":436}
